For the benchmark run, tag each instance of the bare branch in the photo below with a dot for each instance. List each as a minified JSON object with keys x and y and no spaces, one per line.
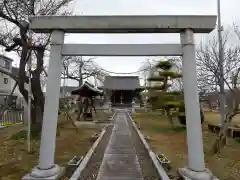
{"x":78,"y":69}
{"x":208,"y":63}
{"x":15,"y":36}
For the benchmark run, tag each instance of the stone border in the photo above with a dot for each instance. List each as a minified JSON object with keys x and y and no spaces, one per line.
{"x":89,"y":154}
{"x":161,"y":172}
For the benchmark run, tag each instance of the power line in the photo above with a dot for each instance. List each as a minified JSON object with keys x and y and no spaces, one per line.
{"x":135,"y":72}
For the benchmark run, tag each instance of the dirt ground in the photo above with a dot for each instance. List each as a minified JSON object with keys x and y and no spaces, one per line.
{"x":172,"y":143}
{"x":15,"y":162}
{"x":214,"y":117}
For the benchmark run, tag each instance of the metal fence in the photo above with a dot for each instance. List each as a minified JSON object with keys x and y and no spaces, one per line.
{"x":11,"y":117}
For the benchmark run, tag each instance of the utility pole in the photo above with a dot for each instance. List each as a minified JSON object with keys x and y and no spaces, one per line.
{"x":29,"y":65}
{"x":221,"y":61}
{"x":80,"y":72}
{"x":64,"y":84}
{"x":145,"y":92}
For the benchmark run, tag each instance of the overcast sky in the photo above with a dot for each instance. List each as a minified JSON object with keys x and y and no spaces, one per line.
{"x":229,"y":8}
{"x":158,"y":7}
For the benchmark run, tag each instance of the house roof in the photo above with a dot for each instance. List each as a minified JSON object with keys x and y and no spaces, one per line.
{"x":3,"y":92}
{"x":5,"y":58}
{"x":121,"y":83}
{"x":214,"y":95}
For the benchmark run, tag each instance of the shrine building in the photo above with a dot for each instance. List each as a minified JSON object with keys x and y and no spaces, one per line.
{"x":122,"y":90}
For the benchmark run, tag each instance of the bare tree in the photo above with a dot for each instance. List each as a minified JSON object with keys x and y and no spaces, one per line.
{"x":208,"y":64}
{"x":78,"y":69}
{"x":15,"y":36}
{"x":146,"y":69}
{"x":209,"y":77}
{"x":176,"y":84}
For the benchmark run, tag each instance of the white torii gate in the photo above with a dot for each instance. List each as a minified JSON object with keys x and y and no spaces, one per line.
{"x":183,"y":24}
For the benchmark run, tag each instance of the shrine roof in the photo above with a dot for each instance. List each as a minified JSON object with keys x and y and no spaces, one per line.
{"x":86,"y":90}
{"x":121,"y":83}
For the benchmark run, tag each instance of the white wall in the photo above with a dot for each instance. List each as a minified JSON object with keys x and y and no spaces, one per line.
{"x":16,"y":91}
{"x":5,"y":81}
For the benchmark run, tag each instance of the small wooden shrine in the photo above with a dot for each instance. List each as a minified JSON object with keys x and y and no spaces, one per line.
{"x":87,"y":93}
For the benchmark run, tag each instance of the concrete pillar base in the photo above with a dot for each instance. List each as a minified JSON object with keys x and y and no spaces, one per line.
{"x":189,"y":174}
{"x":54,"y":173}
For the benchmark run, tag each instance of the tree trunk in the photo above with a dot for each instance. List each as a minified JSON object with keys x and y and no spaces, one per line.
{"x":219,"y":143}
{"x":80,"y":104}
{"x":221,"y":140}
{"x":170,"y":118}
{"x":93,"y":105}
{"x":80,"y":108}
{"x":38,"y":100}
{"x":36,"y":116}
{"x":37,"y":103}
{"x":22,"y":74}
{"x":38,"y":96}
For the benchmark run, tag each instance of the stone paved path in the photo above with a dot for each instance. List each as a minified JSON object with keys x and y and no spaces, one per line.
{"x":120,"y":161}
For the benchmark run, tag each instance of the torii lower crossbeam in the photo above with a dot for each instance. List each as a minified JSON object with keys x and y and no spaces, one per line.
{"x":122,"y":50}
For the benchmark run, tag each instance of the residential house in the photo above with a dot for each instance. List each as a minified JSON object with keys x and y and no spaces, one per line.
{"x":211,"y":99}
{"x":7,"y":83}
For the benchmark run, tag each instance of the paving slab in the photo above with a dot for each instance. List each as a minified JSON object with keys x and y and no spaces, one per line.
{"x":120,"y":161}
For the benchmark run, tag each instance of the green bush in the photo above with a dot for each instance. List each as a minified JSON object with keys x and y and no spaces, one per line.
{"x":182,"y":117}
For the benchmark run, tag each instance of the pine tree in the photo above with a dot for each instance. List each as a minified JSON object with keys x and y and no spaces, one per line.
{"x":171,"y":102}
{"x":160,"y":97}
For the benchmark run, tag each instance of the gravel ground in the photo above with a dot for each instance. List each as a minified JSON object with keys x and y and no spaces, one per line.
{"x":92,"y":168}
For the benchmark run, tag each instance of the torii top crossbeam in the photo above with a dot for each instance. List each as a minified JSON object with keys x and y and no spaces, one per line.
{"x":123,"y":23}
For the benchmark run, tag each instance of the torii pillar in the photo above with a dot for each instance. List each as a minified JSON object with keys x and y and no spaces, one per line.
{"x":46,"y":168}
{"x":196,"y":167}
